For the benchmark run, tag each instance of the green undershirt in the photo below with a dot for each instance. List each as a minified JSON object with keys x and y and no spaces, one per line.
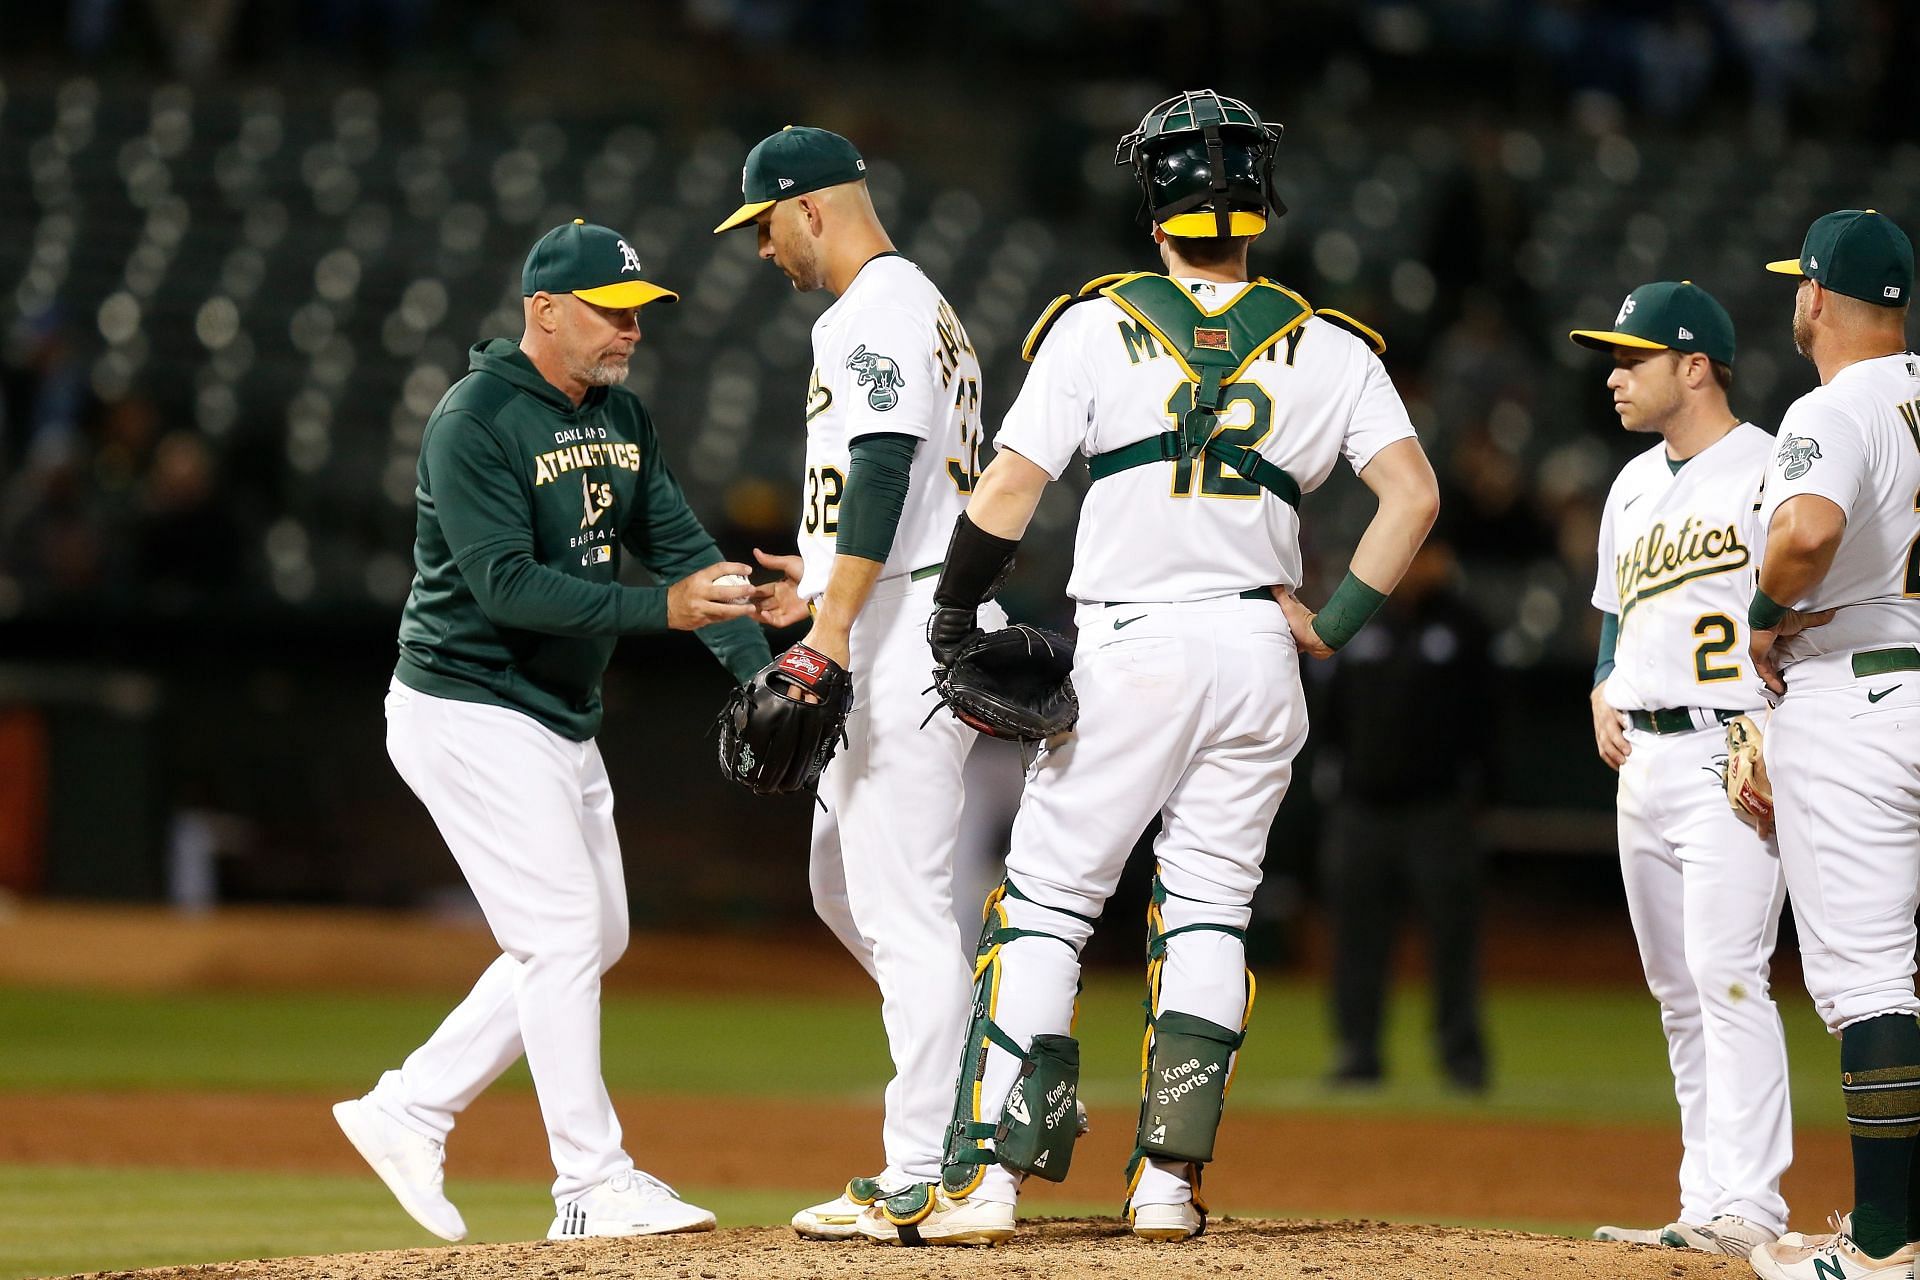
{"x":877,"y":476}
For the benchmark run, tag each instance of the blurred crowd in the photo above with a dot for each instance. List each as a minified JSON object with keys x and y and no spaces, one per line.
{"x":118,"y":491}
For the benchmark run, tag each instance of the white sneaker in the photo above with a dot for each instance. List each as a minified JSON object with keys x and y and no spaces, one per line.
{"x":944,"y":1219}
{"x":1636,"y":1235}
{"x":1729,"y":1234}
{"x":839,"y":1218}
{"x":1167,"y":1221}
{"x":1830,"y":1257}
{"x":413,"y":1167}
{"x":630,"y":1203}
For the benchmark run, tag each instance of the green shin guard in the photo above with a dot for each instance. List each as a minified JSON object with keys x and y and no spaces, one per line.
{"x":1186,"y":1087}
{"x":1040,"y":1121}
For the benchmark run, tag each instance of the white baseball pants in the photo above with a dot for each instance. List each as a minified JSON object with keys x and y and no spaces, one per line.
{"x":1189,"y":711}
{"x":1705,"y":892}
{"x":528,"y":815}
{"x":1845,"y":769}
{"x":882,"y":867}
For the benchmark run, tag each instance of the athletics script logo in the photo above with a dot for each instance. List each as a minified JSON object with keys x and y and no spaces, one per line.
{"x":1666,"y":558}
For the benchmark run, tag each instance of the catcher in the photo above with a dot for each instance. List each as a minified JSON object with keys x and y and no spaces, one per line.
{"x":893,"y":440}
{"x":1186,"y":670}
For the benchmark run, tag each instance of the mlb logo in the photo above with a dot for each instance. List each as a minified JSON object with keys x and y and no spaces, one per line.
{"x":1891,"y":291}
{"x":1211,"y":339}
{"x":600,"y":554}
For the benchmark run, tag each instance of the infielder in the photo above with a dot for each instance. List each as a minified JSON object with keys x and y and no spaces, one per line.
{"x":1187,"y":669}
{"x":1678,"y":543}
{"x":893,"y":439}
{"x":536,"y":470}
{"x":1842,"y":513}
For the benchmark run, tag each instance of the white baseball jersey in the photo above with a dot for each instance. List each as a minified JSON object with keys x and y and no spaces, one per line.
{"x":890,"y":357}
{"x":1182,"y":531}
{"x":1856,"y":442}
{"x":1678,"y":554}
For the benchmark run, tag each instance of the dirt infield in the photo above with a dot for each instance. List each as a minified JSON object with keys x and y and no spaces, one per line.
{"x":1469,"y":1169}
{"x":1061,"y":1249}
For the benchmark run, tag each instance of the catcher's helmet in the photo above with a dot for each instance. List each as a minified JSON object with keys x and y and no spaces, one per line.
{"x":1205,"y":165}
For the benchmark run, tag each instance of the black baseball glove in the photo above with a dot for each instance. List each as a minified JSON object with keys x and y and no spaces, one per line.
{"x":1014,"y":683}
{"x":772,"y":740}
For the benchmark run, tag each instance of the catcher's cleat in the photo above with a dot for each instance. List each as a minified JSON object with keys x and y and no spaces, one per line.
{"x":412,"y":1166}
{"x":839,"y":1218}
{"x":1167,"y":1221}
{"x":950,"y":1220}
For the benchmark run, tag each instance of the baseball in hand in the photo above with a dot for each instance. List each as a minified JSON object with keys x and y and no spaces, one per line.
{"x":731,"y":580}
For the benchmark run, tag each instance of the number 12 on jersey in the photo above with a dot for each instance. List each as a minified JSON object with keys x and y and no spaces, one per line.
{"x":1216,"y":481}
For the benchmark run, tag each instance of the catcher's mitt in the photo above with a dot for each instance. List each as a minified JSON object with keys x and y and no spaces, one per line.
{"x":772,"y":740}
{"x":1748,"y":790}
{"x":1014,"y":683}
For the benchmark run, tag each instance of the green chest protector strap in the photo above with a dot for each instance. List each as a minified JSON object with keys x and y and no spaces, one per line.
{"x":1214,"y":349}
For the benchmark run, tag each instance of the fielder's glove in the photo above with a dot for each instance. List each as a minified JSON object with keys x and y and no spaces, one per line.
{"x":1015,"y":683}
{"x":772,"y":739}
{"x":1748,"y":790}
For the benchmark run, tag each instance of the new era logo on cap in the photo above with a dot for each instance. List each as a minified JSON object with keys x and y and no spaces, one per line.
{"x":1813,"y":263}
{"x":1686,"y":334}
{"x":785,"y":183}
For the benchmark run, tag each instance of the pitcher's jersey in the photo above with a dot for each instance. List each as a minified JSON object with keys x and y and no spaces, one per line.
{"x":1678,"y":554}
{"x":1195,"y":530}
{"x":1856,"y":442}
{"x":890,"y":357}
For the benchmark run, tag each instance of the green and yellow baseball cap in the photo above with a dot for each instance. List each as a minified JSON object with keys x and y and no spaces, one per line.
{"x":590,"y":262}
{"x":1858,"y":252}
{"x":1667,"y":315}
{"x":792,"y":162}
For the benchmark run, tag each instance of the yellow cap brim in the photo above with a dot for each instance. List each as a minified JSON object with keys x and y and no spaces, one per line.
{"x":1202,"y":226}
{"x":1786,"y":267}
{"x":1607,"y":340}
{"x":743,"y":215}
{"x":626,"y":293}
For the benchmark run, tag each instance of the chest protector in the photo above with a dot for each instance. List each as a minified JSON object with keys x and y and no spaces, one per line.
{"x":1213,"y":348}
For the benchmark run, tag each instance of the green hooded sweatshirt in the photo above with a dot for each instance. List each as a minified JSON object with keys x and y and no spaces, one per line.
{"x":524,"y":503}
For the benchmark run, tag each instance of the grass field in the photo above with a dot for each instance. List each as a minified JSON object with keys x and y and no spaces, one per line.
{"x":1586,"y":1055}
{"x":1582,"y":1054}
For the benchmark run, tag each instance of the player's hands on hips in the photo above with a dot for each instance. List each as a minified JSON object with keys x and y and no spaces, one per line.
{"x":778,"y":604}
{"x":697,"y":600}
{"x":1300,"y":622}
{"x":1761,"y":646}
{"x":1609,"y":730}
{"x":950,"y":630}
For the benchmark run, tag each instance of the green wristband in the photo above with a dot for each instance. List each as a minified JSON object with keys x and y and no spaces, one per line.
{"x":1765,"y":612}
{"x":1347,"y":610}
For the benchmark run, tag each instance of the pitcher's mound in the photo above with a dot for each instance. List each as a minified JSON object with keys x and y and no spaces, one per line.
{"x":1066,"y":1248}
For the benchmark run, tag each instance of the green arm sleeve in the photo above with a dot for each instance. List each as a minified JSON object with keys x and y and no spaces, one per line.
{"x":1609,"y":641}
{"x":486,"y":516}
{"x":882,"y":465}
{"x":672,"y":543}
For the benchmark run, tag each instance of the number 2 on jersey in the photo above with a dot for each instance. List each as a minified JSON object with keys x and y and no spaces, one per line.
{"x":1216,"y":481}
{"x":1705,"y":671}
{"x":823,"y":500}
